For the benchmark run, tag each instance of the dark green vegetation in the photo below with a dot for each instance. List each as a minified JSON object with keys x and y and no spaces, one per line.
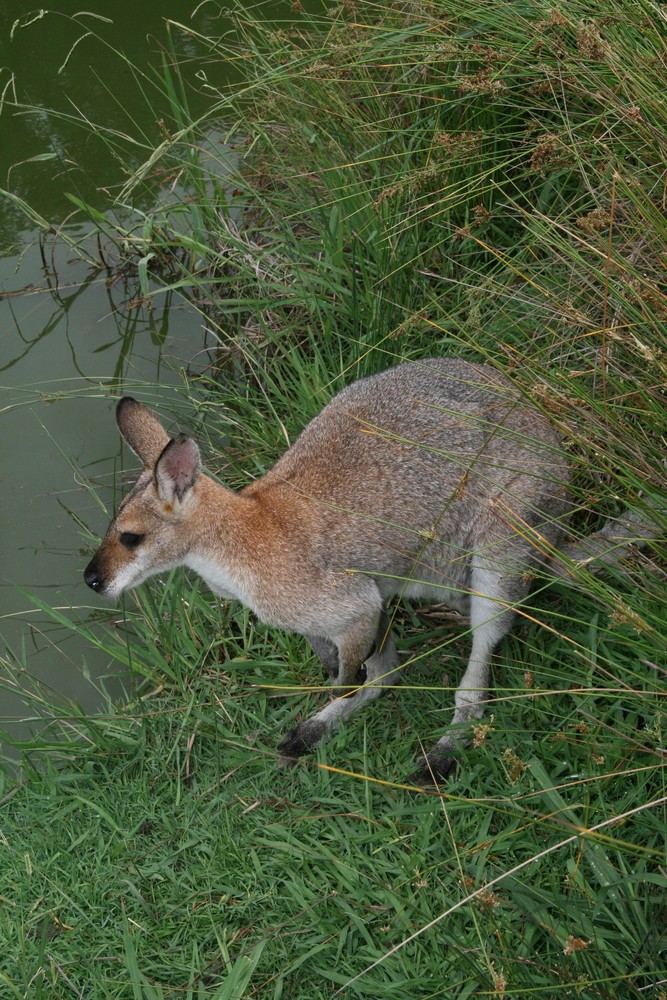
{"x":485,"y":179}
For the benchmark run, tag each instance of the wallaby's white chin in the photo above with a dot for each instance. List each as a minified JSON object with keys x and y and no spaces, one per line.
{"x":127,"y":579}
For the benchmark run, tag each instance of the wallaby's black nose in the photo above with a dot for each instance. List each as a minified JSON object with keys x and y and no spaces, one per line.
{"x":91,"y":576}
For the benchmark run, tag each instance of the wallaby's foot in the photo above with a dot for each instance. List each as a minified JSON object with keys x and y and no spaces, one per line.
{"x":443,"y":760}
{"x":301,"y":739}
{"x":434,"y":767}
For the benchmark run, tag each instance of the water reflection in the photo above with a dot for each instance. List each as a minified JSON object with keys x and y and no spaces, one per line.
{"x":67,"y":351}
{"x":73,"y":333}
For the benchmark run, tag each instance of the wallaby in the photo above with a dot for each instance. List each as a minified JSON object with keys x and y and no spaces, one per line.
{"x":434,"y":480}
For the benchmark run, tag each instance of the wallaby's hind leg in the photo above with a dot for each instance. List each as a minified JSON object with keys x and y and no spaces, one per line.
{"x":491,"y":614}
{"x":382,"y":669}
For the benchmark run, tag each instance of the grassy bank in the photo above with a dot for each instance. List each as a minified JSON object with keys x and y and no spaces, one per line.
{"x":397,"y":179}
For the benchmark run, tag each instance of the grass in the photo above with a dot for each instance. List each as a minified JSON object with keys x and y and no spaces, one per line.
{"x":405,"y":179}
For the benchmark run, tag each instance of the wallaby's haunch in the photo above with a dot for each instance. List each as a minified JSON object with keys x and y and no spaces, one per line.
{"x":433,"y":480}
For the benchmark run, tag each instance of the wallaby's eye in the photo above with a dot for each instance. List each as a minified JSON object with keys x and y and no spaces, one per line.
{"x":130,"y":540}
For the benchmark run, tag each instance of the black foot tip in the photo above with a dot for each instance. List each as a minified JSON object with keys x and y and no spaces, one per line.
{"x":433,"y":770}
{"x":300,"y":741}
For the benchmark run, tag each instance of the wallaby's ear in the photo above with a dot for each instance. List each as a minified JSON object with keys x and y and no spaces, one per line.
{"x":142,"y":430}
{"x":177,"y":469}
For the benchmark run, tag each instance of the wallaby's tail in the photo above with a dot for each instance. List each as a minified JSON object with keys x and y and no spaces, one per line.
{"x":612,"y":543}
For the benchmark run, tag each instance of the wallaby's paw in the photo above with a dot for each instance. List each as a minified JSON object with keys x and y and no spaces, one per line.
{"x":301,"y":740}
{"x":433,"y":768}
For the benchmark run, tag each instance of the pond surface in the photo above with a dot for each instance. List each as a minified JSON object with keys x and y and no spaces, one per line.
{"x":71,"y":336}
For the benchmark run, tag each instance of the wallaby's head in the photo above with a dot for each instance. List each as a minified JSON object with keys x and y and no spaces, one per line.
{"x":149,"y":533}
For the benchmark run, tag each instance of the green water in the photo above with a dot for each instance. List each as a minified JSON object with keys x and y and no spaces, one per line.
{"x":65,"y":327}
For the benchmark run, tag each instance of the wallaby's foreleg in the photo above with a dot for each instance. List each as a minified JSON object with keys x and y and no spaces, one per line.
{"x":327,"y":651}
{"x":490,"y":619}
{"x":382,"y":668}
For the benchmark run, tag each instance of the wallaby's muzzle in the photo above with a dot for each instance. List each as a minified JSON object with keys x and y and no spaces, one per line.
{"x":92,"y":576}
